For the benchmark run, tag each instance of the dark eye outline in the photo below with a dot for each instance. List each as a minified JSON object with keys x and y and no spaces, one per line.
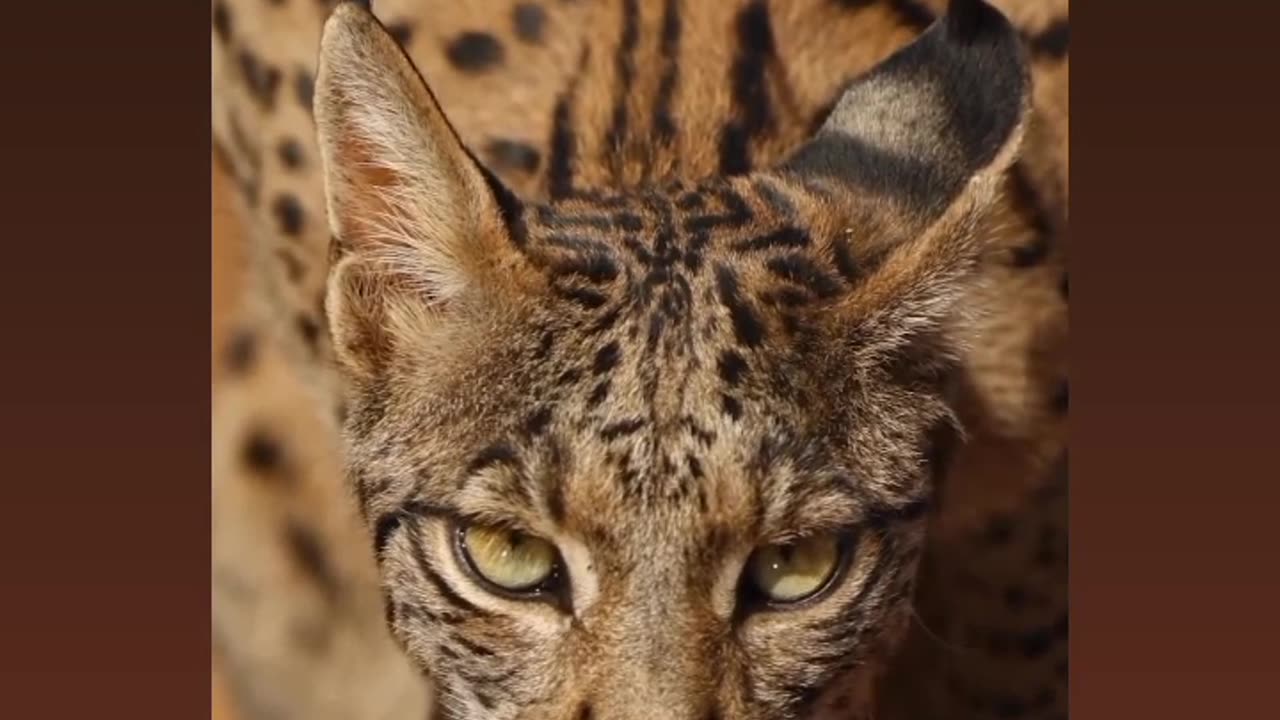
{"x":751,"y":598}
{"x":553,"y":590}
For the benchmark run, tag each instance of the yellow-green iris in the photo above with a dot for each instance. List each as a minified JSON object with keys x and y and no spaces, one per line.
{"x":511,"y":560}
{"x":790,"y":573}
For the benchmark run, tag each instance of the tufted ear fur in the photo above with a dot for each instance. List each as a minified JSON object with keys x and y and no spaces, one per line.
{"x":922,"y":142}
{"x":417,"y":221}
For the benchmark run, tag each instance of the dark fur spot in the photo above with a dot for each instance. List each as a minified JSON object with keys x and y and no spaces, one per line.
{"x":1053,"y":40}
{"x":732,"y":367}
{"x":584,"y":712}
{"x":304,"y":88}
{"x":695,"y":467}
{"x":290,"y":153}
{"x":312,"y":638}
{"x":598,"y":394}
{"x":262,"y":453}
{"x":401,"y":31}
{"x":529,"y":20}
{"x":261,"y":78}
{"x":747,"y":327}
{"x":629,"y":222}
{"x":1031,"y":254}
{"x":1060,"y":397}
{"x":606,"y":358}
{"x":544,"y":345}
{"x":241,"y":352}
{"x":537,"y":422}
{"x":222,"y":21}
{"x":513,"y":155}
{"x":308,"y":552}
{"x":690,"y":201}
{"x":310,"y":331}
{"x":292,"y":265}
{"x":289,"y":215}
{"x":731,"y":406}
{"x":475,"y":51}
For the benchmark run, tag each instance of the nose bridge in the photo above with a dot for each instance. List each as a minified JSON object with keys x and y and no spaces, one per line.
{"x":661,"y":665}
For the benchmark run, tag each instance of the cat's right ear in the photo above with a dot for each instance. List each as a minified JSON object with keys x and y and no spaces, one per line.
{"x":417,"y":222}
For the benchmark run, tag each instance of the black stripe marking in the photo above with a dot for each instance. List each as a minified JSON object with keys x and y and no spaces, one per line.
{"x":496,"y":454}
{"x":792,"y":237}
{"x":799,"y":269}
{"x":748,"y":88}
{"x":587,"y":298}
{"x":429,"y":574}
{"x":621,"y":428}
{"x":595,"y":267}
{"x":774,"y":198}
{"x":887,"y":516}
{"x":747,"y":326}
{"x":842,"y":254}
{"x":563,"y":140}
{"x":664,"y":125}
{"x":624,"y":67}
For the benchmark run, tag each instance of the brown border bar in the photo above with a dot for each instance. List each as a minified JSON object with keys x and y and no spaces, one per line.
{"x":1175,"y":486}
{"x":104,"y":402}
{"x":105,"y":308}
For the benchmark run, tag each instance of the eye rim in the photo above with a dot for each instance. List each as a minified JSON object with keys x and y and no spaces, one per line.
{"x":755,"y":599}
{"x":553,"y":589}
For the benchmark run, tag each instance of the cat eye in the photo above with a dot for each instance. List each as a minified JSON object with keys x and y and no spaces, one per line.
{"x":512,"y":561}
{"x":786,"y":574}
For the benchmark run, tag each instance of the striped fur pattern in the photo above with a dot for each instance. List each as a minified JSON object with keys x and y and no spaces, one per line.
{"x":664,"y":281}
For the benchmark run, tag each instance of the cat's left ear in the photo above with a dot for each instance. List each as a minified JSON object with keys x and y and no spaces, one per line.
{"x":920,"y":145}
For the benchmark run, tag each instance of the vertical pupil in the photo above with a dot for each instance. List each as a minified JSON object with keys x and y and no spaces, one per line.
{"x":784,"y":554}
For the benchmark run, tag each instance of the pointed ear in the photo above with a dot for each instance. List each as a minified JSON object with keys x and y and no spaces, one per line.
{"x":920,"y":145}
{"x":417,"y":221}
{"x":938,"y":115}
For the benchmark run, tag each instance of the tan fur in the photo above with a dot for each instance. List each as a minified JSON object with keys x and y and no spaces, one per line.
{"x":477,"y":331}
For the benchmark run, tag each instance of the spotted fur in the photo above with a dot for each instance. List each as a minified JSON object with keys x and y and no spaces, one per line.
{"x":663,"y":281}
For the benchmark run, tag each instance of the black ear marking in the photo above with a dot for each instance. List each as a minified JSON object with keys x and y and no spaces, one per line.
{"x":931,"y":116}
